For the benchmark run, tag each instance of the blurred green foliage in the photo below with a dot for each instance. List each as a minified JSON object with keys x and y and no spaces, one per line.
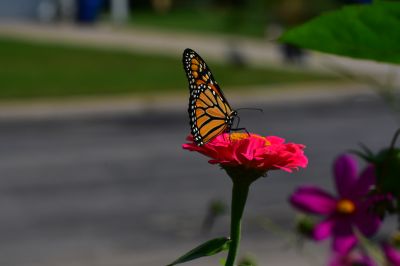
{"x":359,"y":31}
{"x":247,"y":261}
{"x":208,"y":248}
{"x":30,"y":70}
{"x":239,"y":17}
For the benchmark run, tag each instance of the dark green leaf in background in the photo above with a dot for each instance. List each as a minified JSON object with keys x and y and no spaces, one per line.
{"x":208,"y":248}
{"x":358,"y":31}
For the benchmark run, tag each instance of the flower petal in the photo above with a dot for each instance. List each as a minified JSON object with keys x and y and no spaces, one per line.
{"x":284,"y":156}
{"x":274,"y":140}
{"x":247,"y":148}
{"x":207,"y":149}
{"x":345,"y":170}
{"x":366,"y":220}
{"x":323,"y":230}
{"x":344,"y":238}
{"x":313,"y":200}
{"x":351,"y":259}
{"x":392,"y":255}
{"x":344,"y":244}
{"x":365,"y":181}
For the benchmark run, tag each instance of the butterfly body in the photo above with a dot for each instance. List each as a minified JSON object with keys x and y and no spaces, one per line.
{"x":209,"y":112}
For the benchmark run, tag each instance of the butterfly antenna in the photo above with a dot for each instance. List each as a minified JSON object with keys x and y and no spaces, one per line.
{"x":254,"y":109}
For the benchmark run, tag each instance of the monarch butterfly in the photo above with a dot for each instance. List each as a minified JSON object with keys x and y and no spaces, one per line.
{"x":209,"y":112}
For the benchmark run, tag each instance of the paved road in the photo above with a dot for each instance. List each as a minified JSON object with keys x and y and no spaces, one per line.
{"x":119,"y":190}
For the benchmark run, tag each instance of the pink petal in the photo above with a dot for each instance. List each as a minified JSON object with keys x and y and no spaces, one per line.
{"x":323,"y":229}
{"x":366,"y":220}
{"x":313,"y":200}
{"x":247,"y":148}
{"x":392,"y":255}
{"x":365,"y":181}
{"x":345,"y":170}
{"x":369,"y":226}
{"x":207,"y":149}
{"x":344,"y":244}
{"x":344,"y":238}
{"x":282,"y":156}
{"x":351,"y":259}
{"x":283,"y":168}
{"x":336,"y":260}
{"x":274,"y":140}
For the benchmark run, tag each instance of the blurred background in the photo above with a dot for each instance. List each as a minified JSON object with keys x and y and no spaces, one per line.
{"x":93,"y":113}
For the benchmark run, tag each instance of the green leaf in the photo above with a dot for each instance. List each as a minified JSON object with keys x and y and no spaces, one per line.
{"x":358,"y":31}
{"x":222,"y":261}
{"x":208,"y":248}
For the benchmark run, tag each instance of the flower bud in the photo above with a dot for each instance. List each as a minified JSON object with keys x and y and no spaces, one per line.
{"x":305,"y":226}
{"x":387,"y":165}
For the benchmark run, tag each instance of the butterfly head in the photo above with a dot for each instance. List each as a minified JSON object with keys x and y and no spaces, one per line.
{"x":230,"y":118}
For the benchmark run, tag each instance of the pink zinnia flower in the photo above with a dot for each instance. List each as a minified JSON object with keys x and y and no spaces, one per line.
{"x":343,"y":212}
{"x":251,"y":153}
{"x":392,"y":255}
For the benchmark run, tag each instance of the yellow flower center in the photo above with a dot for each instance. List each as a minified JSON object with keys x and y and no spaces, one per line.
{"x":345,"y":206}
{"x":239,"y":136}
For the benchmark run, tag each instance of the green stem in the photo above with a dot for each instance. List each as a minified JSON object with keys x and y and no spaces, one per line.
{"x":398,"y":213}
{"x":396,"y":135}
{"x":239,"y":197}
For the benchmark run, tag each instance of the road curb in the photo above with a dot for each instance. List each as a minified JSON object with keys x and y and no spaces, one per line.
{"x":176,"y":102}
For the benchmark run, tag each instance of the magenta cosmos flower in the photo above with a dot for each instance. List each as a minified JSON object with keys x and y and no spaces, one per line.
{"x":351,"y":259}
{"x":349,"y":210}
{"x":392,"y":255}
{"x":251,"y":152}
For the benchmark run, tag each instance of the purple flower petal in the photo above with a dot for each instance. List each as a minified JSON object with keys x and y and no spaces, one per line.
{"x":366,"y":180}
{"x":366,"y":261}
{"x":336,"y":260}
{"x":313,"y":200}
{"x":323,"y":229}
{"x":345,"y":170}
{"x":366,"y":220}
{"x":392,"y":255}
{"x":351,"y":259}
{"x":344,"y":244}
{"x":344,"y":238}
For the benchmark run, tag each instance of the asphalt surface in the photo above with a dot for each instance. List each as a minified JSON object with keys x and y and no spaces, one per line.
{"x":120,"y":190}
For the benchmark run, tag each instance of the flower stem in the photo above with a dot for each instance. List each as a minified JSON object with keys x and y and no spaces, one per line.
{"x":395,"y":136}
{"x":239,"y":196}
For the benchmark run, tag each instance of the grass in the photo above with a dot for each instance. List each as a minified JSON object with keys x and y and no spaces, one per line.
{"x":38,"y":70}
{"x":217,"y":21}
{"x":241,"y":18}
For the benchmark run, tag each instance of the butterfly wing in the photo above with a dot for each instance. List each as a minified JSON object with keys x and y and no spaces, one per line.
{"x":210,"y":113}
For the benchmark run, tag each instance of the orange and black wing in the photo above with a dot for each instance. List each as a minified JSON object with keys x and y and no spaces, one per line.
{"x":210,"y":114}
